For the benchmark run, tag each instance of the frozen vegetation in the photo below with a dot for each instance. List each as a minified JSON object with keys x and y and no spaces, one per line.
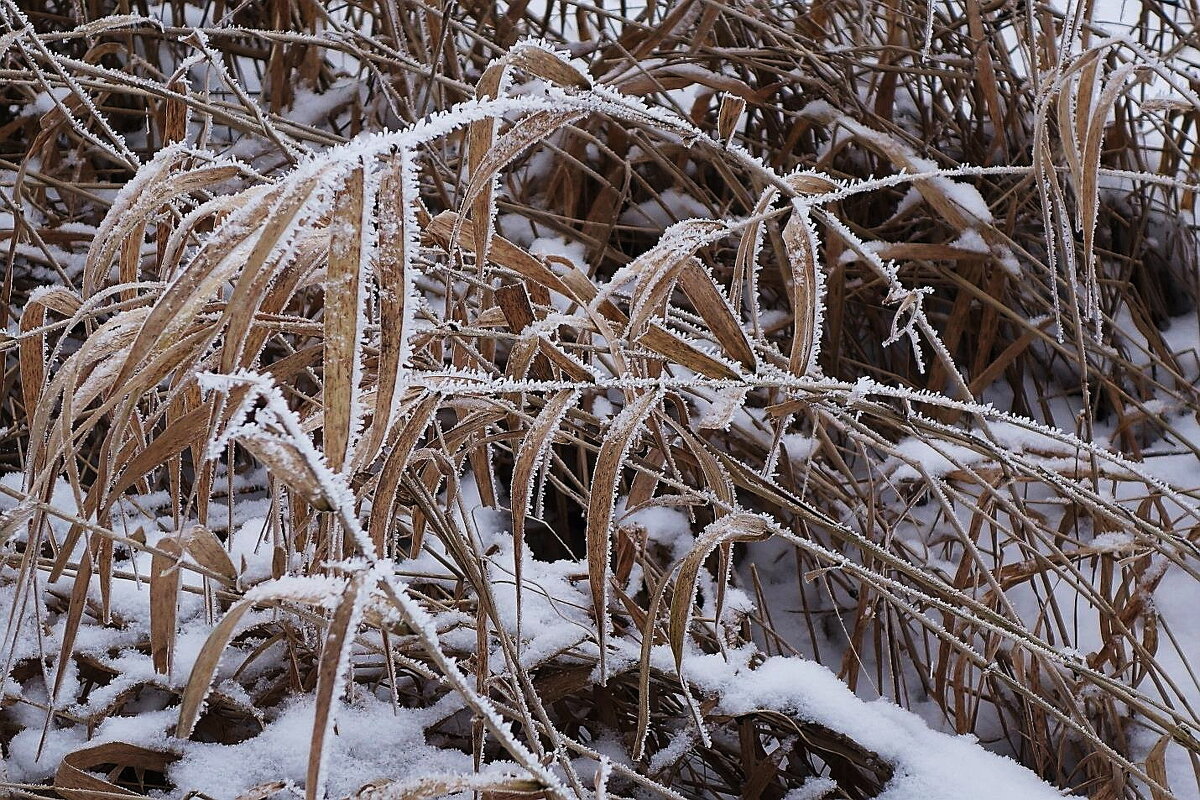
{"x":763,"y":400}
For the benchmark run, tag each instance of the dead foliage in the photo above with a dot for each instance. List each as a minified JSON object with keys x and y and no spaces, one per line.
{"x":878,"y":305}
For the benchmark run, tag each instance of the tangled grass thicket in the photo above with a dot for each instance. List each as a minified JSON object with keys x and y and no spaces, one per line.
{"x":532,"y":390}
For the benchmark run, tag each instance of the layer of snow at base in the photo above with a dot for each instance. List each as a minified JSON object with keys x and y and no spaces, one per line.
{"x":372,"y":740}
{"x":928,"y":765}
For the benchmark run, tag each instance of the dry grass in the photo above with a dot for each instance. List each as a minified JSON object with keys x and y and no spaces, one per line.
{"x":306,"y":299}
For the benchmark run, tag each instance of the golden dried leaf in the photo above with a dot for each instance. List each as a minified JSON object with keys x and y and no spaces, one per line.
{"x":715,"y":309}
{"x":334,"y":654}
{"x":737,"y":527}
{"x":205,"y":667}
{"x":75,"y":781}
{"x":676,"y":351}
{"x":730,"y":112}
{"x":209,"y":553}
{"x":602,"y":495}
{"x":164,"y":602}
{"x":343,"y":320}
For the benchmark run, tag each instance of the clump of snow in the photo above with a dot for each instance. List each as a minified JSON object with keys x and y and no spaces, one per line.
{"x":1007,"y":260}
{"x":668,"y":527}
{"x":928,"y":765}
{"x":251,"y":551}
{"x":910,"y":200}
{"x":722,"y":409}
{"x":812,"y":789}
{"x":45,"y":102}
{"x":665,"y":210}
{"x":516,"y":229}
{"x":681,"y":743}
{"x":552,"y":597}
{"x":372,"y":740}
{"x":574,"y":252}
{"x":916,"y":458}
{"x":23,"y":763}
{"x":1113,"y":541}
{"x":963,"y":195}
{"x":971,"y":240}
{"x":850,"y":255}
{"x":799,"y":447}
